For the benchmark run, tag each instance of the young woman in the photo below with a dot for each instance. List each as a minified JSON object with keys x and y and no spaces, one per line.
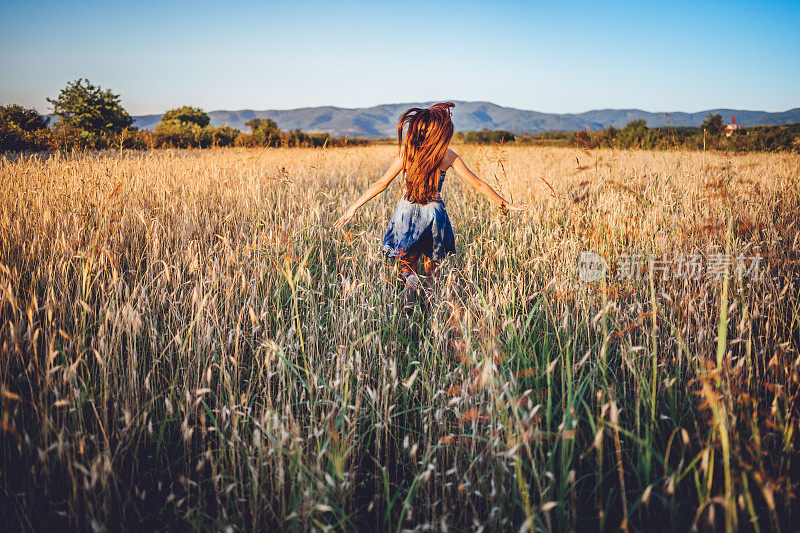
{"x":420,"y":227}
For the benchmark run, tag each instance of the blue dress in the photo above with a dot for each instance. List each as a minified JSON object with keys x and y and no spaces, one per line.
{"x":420,"y":228}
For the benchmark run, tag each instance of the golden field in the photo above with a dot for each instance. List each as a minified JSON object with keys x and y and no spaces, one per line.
{"x":187,"y":343}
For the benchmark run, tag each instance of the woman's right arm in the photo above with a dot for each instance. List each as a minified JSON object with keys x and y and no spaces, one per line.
{"x":372,"y":191}
{"x":481,"y":186}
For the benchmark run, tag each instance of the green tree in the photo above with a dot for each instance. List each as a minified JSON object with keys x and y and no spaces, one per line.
{"x":225,"y":135}
{"x":185,"y":127}
{"x":25,"y":119}
{"x":187,"y":114}
{"x":713,"y":124}
{"x":253,"y":123}
{"x":265,"y":131}
{"x":609,"y":134}
{"x":633,"y":134}
{"x":265,"y":125}
{"x":636,"y":127}
{"x":95,"y":113}
{"x":177,"y":134}
{"x":487,"y":136}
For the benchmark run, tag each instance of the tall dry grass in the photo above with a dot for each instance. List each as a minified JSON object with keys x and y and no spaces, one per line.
{"x":187,"y":343}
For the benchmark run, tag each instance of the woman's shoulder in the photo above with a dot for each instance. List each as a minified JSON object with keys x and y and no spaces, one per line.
{"x":447,"y":161}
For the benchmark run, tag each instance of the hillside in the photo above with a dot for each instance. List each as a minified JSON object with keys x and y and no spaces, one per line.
{"x":380,"y":121}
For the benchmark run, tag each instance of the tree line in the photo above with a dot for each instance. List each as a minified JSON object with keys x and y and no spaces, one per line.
{"x":91,"y":118}
{"x":711,"y":135}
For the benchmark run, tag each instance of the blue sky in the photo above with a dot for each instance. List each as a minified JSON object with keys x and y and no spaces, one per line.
{"x":547,"y":56}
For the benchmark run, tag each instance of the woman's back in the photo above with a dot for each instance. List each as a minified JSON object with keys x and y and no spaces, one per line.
{"x":437,"y":197}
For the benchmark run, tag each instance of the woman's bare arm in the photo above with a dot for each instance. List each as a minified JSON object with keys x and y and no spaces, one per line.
{"x":481,"y":186}
{"x":372,"y":191}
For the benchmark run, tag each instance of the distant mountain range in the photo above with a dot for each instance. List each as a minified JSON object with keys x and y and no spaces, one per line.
{"x":381,"y":121}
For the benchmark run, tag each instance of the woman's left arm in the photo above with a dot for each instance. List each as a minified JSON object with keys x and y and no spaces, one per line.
{"x":481,"y":186}
{"x":372,"y":191}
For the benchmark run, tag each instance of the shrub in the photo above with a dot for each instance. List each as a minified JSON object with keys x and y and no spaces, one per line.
{"x":26,"y":119}
{"x":22,"y":129}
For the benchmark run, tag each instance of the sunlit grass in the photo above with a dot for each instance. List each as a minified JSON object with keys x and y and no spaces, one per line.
{"x":186,"y":341}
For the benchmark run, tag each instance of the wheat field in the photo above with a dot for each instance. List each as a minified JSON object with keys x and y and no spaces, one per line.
{"x":188,"y":344}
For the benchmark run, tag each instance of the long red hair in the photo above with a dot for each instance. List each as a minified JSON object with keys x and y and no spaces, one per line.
{"x":427,"y":136}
